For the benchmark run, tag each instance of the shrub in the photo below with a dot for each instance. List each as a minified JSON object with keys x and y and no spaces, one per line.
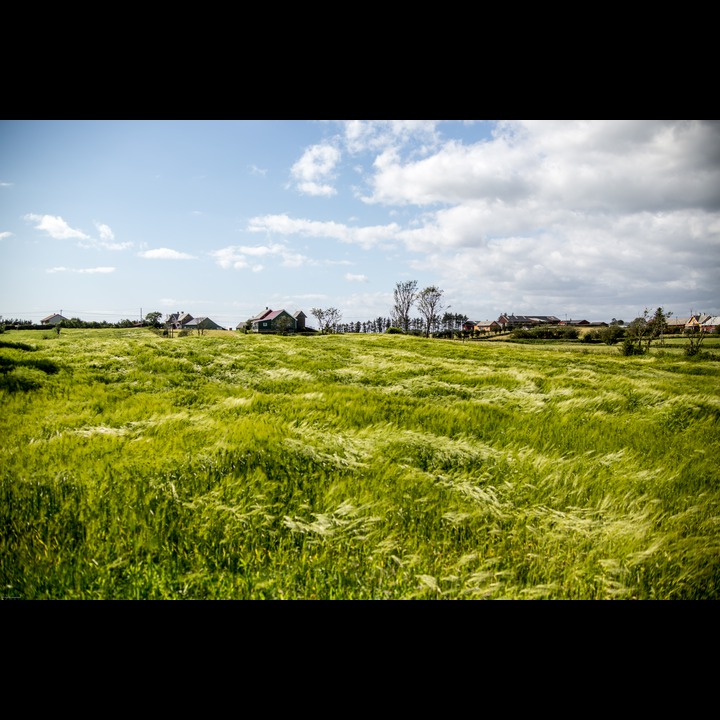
{"x":546,"y":332}
{"x":630,"y":347}
{"x":394,"y":331}
{"x":611,"y":334}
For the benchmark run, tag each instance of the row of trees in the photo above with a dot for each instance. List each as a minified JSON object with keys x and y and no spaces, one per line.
{"x":448,"y":323}
{"x":428,"y":302}
{"x":67,"y":323}
{"x":406,"y":295}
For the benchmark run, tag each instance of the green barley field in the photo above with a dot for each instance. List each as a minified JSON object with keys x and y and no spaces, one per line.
{"x":234,"y":466}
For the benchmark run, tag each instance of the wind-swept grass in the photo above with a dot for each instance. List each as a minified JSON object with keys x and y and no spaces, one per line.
{"x":357,"y":466}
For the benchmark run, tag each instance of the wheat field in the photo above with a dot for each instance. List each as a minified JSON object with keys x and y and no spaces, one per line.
{"x":368,"y":466}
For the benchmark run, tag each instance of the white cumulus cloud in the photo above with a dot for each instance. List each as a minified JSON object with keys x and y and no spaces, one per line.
{"x":165,"y":254}
{"x":314,"y":171}
{"x":365,"y":237}
{"x":237,"y":256}
{"x":56,"y":227}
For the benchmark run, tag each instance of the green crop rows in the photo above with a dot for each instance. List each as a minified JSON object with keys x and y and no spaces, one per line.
{"x":233,"y":466}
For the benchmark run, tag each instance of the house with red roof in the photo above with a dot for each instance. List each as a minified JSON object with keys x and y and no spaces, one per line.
{"x":270,"y":321}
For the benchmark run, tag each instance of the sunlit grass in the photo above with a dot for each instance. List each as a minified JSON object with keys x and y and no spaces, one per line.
{"x":359,"y":466}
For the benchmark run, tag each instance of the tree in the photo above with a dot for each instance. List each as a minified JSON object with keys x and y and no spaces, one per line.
{"x":153,"y":317}
{"x":643,"y":330}
{"x":319,"y":315}
{"x":405,"y":295}
{"x":332,"y":317}
{"x":695,"y":336}
{"x":327,"y":318}
{"x":611,"y":334}
{"x":429,"y":306}
{"x":283,"y":324}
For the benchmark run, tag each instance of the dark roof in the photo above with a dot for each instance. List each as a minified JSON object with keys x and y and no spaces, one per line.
{"x":195,"y":322}
{"x":531,"y":318}
{"x":54,"y":315}
{"x":270,"y":315}
{"x":261,"y":315}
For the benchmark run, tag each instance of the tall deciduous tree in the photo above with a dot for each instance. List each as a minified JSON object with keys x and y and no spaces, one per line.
{"x":327,"y":318}
{"x":332,"y":318}
{"x":319,"y":315}
{"x":429,"y":306}
{"x":405,"y":295}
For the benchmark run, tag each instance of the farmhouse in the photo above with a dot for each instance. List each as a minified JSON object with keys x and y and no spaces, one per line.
{"x":276,"y":321}
{"x":710,"y":324}
{"x":676,"y":325}
{"x":488,"y":326}
{"x":696,"y":322}
{"x":54,"y":319}
{"x":178,"y":320}
{"x":202,"y":323}
{"x":507,"y":322}
{"x":482,"y":327}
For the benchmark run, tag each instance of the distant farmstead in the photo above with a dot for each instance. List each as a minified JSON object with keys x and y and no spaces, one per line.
{"x":54,"y":319}
{"x":178,"y":320}
{"x":185,"y":321}
{"x":270,"y":321}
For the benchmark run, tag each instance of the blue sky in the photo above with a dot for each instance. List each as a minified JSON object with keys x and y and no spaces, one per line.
{"x":108,"y":219}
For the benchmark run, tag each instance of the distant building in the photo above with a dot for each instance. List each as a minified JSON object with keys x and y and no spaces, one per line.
{"x":485,"y":326}
{"x":508,"y":322}
{"x":202,"y":323}
{"x":54,"y":319}
{"x":178,"y":320}
{"x":710,"y":324}
{"x":676,"y":325}
{"x":695,"y":322}
{"x":269,"y":321}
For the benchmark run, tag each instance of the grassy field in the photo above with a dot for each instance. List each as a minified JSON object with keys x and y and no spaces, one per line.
{"x":233,"y":466}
